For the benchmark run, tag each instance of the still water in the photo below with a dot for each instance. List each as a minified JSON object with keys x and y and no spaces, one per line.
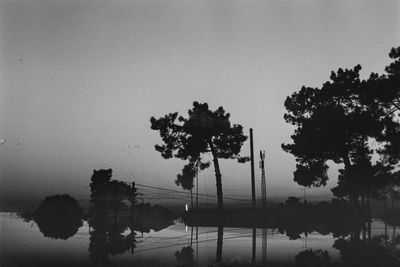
{"x":23,"y":244}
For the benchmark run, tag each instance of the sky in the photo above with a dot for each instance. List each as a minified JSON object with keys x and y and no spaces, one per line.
{"x":79,"y":81}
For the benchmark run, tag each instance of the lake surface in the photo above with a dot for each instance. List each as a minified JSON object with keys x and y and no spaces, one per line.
{"x":23,"y":244}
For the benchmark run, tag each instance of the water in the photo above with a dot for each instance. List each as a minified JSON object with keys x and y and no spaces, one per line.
{"x":23,"y":244}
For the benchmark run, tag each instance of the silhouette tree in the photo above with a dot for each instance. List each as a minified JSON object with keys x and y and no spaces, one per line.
{"x":381,"y":96}
{"x":329,"y":124}
{"x":186,"y":179}
{"x":337,"y":121}
{"x":107,"y":237}
{"x":313,"y":258}
{"x":203,"y":131}
{"x":99,"y":187}
{"x":185,"y":257}
{"x":109,"y":194}
{"x":59,"y":216}
{"x":365,"y":253}
{"x":382,"y":93}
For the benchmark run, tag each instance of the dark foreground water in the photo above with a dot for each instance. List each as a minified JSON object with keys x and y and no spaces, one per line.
{"x":23,"y":244}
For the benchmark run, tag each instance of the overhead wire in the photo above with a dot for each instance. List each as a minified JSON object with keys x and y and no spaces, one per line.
{"x":200,"y":195}
{"x":200,"y":241}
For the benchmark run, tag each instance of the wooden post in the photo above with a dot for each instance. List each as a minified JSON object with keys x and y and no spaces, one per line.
{"x":263,"y":182}
{"x":197,"y":188}
{"x":253,"y":254}
{"x":219,"y":244}
{"x":253,"y":184}
{"x":191,"y":199}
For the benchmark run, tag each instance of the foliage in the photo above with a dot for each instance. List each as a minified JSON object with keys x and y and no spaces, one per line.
{"x":185,"y":257}
{"x":371,"y":253}
{"x":188,"y":138}
{"x":186,"y":178}
{"x":201,"y":132}
{"x":313,"y":258}
{"x":109,"y":193}
{"x":108,"y":237}
{"x":337,"y":121}
{"x":58,"y":216}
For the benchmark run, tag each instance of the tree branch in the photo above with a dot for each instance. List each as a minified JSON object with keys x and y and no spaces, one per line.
{"x":395,"y":104}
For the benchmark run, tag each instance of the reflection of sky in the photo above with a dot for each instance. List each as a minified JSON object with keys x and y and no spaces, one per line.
{"x":81,"y":79}
{"x":22,"y":243}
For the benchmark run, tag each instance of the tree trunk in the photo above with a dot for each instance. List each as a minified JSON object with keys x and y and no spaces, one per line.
{"x":219,"y":244}
{"x":363,"y":203}
{"x":386,"y":234}
{"x":364,"y":232}
{"x":369,"y":231}
{"x":253,"y":251}
{"x":217,"y":176}
{"x":347,"y":166}
{"x":191,"y":236}
{"x":369,"y":204}
{"x":346,"y":161}
{"x":392,"y":199}
{"x":191,"y":199}
{"x":384,"y":202}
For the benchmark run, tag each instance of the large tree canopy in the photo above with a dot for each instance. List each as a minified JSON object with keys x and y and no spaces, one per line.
{"x":383,"y":94}
{"x":337,"y":121}
{"x":330,"y":123}
{"x":202,"y":131}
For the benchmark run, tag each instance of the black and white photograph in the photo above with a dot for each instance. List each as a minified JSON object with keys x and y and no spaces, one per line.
{"x":191,"y":133}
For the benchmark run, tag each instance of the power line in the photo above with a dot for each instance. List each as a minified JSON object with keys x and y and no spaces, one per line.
{"x":180,"y":192}
{"x":200,"y":241}
{"x":166,"y":194}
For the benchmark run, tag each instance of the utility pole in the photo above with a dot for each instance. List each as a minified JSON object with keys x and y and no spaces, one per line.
{"x":197,"y":188}
{"x":191,"y":200}
{"x":253,"y":251}
{"x":253,"y":185}
{"x":253,"y":195}
{"x":263,"y":182}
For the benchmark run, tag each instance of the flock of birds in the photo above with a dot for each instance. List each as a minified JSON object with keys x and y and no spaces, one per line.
{"x":128,"y":149}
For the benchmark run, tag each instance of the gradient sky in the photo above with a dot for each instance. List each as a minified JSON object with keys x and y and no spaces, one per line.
{"x":81,"y":79}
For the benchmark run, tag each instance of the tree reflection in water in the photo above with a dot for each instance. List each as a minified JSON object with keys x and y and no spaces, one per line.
{"x":58,"y":217}
{"x":313,"y":258}
{"x":185,"y":257}
{"x":107,"y":238}
{"x":347,"y":223}
{"x":113,"y":227}
{"x":368,"y":253}
{"x":110,"y":217}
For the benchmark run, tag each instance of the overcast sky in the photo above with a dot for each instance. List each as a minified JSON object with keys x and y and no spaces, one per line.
{"x":81,"y":79}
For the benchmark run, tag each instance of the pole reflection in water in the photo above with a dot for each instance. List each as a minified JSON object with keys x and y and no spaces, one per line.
{"x":219,"y":244}
{"x":197,"y":246}
{"x":264,"y":246}
{"x":110,"y":244}
{"x":322,"y":236}
{"x":114,"y":237}
{"x":253,"y":252}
